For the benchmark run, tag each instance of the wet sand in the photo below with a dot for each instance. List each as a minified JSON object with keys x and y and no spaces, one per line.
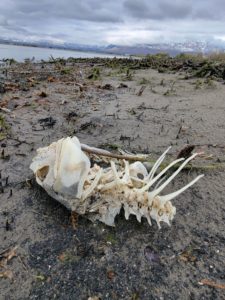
{"x":55,"y":261}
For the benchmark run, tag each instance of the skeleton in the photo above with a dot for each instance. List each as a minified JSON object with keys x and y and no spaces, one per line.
{"x":65,"y":172}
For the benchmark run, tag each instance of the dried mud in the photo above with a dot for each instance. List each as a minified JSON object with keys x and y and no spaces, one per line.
{"x":54,"y":261}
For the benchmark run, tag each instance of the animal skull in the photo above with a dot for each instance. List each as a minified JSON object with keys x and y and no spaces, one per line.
{"x":64,"y":171}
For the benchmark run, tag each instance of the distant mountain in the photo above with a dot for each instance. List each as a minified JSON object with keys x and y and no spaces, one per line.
{"x":140,"y":49}
{"x":170,"y":48}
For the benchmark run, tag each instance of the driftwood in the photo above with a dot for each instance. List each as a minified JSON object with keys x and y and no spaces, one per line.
{"x":102,"y":152}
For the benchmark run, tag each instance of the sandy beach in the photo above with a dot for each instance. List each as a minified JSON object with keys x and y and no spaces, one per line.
{"x":109,"y":105}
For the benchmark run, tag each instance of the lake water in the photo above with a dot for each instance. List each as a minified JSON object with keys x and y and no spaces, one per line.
{"x":19,"y":53}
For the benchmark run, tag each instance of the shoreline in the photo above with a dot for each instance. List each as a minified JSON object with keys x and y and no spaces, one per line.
{"x":84,"y":53}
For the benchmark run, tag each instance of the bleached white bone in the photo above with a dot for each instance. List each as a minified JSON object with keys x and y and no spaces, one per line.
{"x":159,"y":189}
{"x":64,"y":171}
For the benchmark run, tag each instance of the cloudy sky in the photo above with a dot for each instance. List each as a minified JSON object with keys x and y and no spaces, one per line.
{"x":113,"y":21}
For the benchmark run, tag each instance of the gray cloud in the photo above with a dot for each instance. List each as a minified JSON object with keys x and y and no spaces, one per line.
{"x":95,"y":10}
{"x":209,"y":10}
{"x":158,"y":10}
{"x":175,"y":9}
{"x":112,"y":21}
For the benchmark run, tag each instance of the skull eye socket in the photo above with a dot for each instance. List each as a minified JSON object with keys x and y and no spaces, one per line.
{"x":140,"y":176}
{"x":42,"y":173}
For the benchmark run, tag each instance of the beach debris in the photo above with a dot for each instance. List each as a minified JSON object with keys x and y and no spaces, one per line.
{"x":105,"y":153}
{"x":212,"y":284}
{"x":187,"y":256}
{"x":65,"y":172}
{"x":186,"y":151}
{"x":140,"y":92}
{"x":4,"y":127}
{"x":72,"y":116}
{"x":6,"y":110}
{"x":51,"y":79}
{"x":80,"y":86}
{"x":107,"y":86}
{"x":95,"y":75}
{"x":151,"y":255}
{"x":111,"y":274}
{"x":122,"y":86}
{"x":6,"y":274}
{"x":74,"y":219}
{"x":43,"y":94}
{"x":5,"y":257}
{"x":11,"y":86}
{"x":40,"y":277}
{"x":2,"y":88}
{"x":47,"y":122}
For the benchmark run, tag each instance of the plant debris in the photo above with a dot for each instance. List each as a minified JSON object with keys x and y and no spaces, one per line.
{"x":7,"y":255}
{"x":47,"y":122}
{"x":212,"y":284}
{"x":43,"y":94}
{"x":111,"y":274}
{"x":140,"y":92}
{"x":151,"y":255}
{"x":186,"y":151}
{"x":6,"y":274}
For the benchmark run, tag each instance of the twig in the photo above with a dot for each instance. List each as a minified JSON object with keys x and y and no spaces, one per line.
{"x":211,"y":145}
{"x":140,"y":92}
{"x":23,"y":263}
{"x":212,"y":284}
{"x":106,"y":153}
{"x":146,"y":158}
{"x":5,"y":109}
{"x":4,"y":251}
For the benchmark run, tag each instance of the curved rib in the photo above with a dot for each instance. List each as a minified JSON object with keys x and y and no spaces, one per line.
{"x":151,"y":182}
{"x":159,"y":189}
{"x":157,"y":164}
{"x":170,"y":196}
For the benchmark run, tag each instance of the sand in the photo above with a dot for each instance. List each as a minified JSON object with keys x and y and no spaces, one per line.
{"x":56,"y":261}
